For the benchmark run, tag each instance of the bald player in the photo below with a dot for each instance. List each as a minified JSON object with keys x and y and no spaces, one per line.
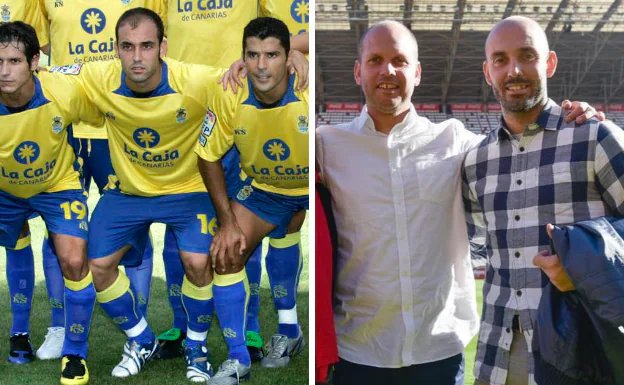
{"x":535,"y":169}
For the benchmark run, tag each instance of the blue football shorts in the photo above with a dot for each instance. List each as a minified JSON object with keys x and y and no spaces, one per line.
{"x":64,"y":212}
{"x":122,"y":219}
{"x":231,"y":169}
{"x":273,"y":208}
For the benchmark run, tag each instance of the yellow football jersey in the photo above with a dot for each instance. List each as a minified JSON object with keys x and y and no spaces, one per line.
{"x":27,"y":11}
{"x":151,"y":139}
{"x":35,"y":154}
{"x":83,"y":31}
{"x":294,"y":13}
{"x":273,"y":141}
{"x":208,"y":31}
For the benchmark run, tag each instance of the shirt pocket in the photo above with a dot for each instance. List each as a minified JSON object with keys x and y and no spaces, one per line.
{"x":437,"y":180}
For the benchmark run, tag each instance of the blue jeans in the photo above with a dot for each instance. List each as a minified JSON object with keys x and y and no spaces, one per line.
{"x":449,"y":371}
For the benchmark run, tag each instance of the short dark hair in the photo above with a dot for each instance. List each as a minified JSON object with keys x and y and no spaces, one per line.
{"x":263,"y":27}
{"x":135,"y":16}
{"x":19,"y":32}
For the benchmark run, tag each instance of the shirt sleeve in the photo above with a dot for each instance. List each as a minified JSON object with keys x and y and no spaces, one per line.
{"x":609,"y":166}
{"x":475,"y":220}
{"x":201,"y":81}
{"x":78,"y":104}
{"x":85,"y":109}
{"x":217,"y":135}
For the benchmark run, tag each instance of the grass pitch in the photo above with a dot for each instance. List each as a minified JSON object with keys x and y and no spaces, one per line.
{"x":106,"y":340}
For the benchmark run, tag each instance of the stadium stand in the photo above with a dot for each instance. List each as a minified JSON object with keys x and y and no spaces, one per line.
{"x":588,"y":36}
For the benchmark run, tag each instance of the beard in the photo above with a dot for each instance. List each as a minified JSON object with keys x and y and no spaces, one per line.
{"x":521,"y":103}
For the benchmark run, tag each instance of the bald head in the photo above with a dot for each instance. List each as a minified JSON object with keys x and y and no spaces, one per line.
{"x":398,"y":31}
{"x":533,"y":33}
{"x":518,"y":63}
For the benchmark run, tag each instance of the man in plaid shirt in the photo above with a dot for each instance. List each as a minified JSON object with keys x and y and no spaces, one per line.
{"x":534,"y":170}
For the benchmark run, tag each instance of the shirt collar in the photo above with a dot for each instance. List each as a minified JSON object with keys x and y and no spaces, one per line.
{"x":365,"y":123}
{"x":550,"y":118}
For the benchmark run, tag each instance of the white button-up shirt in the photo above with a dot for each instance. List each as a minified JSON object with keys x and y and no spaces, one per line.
{"x":405,"y":292}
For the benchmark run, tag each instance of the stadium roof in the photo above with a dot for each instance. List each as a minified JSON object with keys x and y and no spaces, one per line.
{"x":588,"y":36}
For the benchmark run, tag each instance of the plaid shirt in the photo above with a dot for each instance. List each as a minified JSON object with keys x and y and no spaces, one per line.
{"x":557,"y":173}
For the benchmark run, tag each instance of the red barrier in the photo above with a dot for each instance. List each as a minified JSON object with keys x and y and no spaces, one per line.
{"x":427,"y":107}
{"x":343,"y":107}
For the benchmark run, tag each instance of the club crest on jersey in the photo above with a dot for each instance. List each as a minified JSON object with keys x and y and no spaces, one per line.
{"x":244,"y":193}
{"x":6,"y":13}
{"x":73,"y":69}
{"x":57,"y":124}
{"x":181,"y":115}
{"x":302,"y":124}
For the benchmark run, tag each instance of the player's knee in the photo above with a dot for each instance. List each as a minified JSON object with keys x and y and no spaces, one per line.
{"x":198,"y":271}
{"x":229,"y":267}
{"x":101,"y":268}
{"x":74,"y":265}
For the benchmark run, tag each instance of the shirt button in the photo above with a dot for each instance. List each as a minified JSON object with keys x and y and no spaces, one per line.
{"x":517,"y":217}
{"x":519,"y":182}
{"x":521,"y":149}
{"x":517,"y":254}
{"x":519,"y":293}
{"x":508,"y":330}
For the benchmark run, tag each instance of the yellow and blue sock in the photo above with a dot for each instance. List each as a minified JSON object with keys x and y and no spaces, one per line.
{"x":119,"y":302}
{"x":174,"y":273}
{"x":79,"y":303}
{"x":231,"y":293}
{"x":284,"y":264}
{"x":254,"y":274}
{"x":141,"y":277}
{"x":55,"y":285}
{"x":199,"y":306}
{"x":20,"y":270}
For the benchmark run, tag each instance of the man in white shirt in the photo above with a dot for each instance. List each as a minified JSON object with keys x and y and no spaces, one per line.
{"x":405,"y":293}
